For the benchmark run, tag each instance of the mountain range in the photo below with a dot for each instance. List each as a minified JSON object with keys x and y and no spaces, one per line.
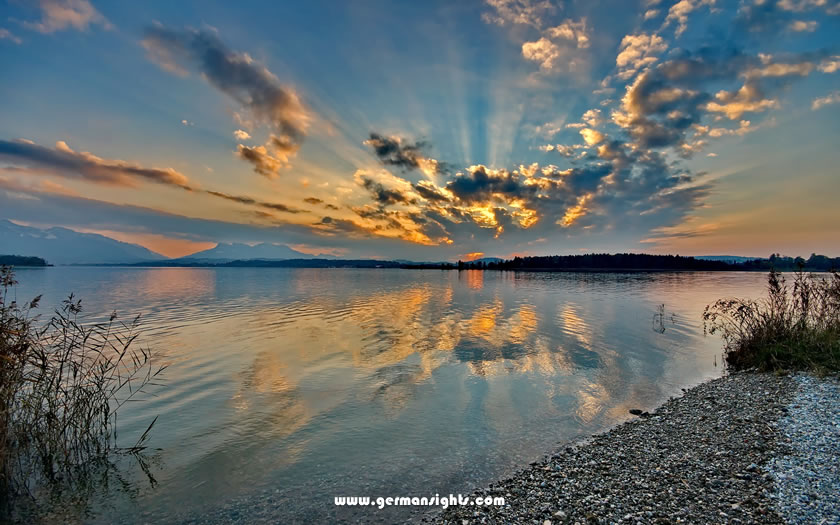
{"x":65,"y":246}
{"x":238,"y":251}
{"x":732,"y":259}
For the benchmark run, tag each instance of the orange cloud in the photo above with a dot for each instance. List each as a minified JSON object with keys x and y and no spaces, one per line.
{"x":472,"y":256}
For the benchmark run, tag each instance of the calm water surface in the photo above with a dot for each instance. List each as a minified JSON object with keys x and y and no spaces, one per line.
{"x":288,"y":387}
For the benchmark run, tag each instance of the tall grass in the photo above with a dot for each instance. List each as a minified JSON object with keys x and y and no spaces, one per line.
{"x":794,"y":327}
{"x":62,"y":384}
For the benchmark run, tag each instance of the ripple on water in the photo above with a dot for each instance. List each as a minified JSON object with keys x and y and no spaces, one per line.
{"x":287,"y":387}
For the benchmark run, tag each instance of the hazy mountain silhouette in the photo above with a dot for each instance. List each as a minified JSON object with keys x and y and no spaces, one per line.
{"x":63,"y":246}
{"x":735,"y":259}
{"x":238,"y":251}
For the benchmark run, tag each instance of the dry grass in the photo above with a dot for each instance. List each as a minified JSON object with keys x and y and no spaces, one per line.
{"x":62,"y":384}
{"x":792,"y":328}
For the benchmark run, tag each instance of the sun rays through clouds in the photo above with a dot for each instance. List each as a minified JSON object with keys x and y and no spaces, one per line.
{"x":499,"y":127}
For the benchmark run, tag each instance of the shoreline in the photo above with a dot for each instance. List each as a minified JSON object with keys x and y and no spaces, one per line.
{"x":731,"y":449}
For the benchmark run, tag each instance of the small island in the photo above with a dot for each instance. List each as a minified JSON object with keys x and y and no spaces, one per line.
{"x":22,"y":260}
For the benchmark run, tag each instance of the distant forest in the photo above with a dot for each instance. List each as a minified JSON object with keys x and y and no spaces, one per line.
{"x":556,"y":263}
{"x":276,"y":263}
{"x":814,"y":262}
{"x":21,"y":260}
{"x":639,"y":261}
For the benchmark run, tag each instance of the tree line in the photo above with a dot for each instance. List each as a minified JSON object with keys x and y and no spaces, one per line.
{"x":640,"y":261}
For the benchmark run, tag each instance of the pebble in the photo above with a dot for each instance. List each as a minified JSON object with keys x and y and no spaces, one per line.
{"x":744,"y":448}
{"x":807,"y":474}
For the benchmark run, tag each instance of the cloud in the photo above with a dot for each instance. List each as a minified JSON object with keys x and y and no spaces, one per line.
{"x":46,"y":207}
{"x":274,"y":206}
{"x":527,"y":12}
{"x":766,"y":16}
{"x":744,"y":127}
{"x":57,"y":15}
{"x":629,"y":180}
{"x":665,"y":104}
{"x":549,"y":129}
{"x":262,"y":160}
{"x":240,"y":134}
{"x":831,"y":7}
{"x":238,"y":76}
{"x":747,"y":99}
{"x":551,"y":57}
{"x":831,"y":98}
{"x":830,"y":65}
{"x":543,"y":51}
{"x":678,"y":13}
{"x":63,"y":161}
{"x":381,"y":194}
{"x":396,"y":151}
{"x":559,"y":48}
{"x":593,"y":117}
{"x":562,"y":149}
{"x":573,"y":32}
{"x":28,"y":157}
{"x":5,"y":34}
{"x":803,"y":26}
{"x":637,"y":52}
{"x":430,"y":192}
{"x":481,"y":184}
{"x":591,"y":136}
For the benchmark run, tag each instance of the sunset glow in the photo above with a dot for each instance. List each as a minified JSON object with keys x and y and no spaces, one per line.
{"x":426,"y":131}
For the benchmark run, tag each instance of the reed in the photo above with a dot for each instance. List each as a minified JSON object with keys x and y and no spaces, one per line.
{"x":62,"y":384}
{"x":792,"y":328}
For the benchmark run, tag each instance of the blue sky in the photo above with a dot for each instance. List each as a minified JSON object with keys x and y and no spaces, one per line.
{"x":427,"y":130}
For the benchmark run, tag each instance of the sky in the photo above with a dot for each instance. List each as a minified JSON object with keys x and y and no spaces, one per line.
{"x":430,"y":130}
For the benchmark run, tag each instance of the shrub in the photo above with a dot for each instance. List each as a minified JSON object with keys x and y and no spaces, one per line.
{"x":62,"y":384}
{"x":796,"y":328}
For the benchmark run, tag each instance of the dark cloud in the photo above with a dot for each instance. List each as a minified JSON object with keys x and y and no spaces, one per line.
{"x":429,"y":192}
{"x":771,"y":17}
{"x":253,"y":202}
{"x":235,"y":74}
{"x":479,"y":185}
{"x":238,"y":76}
{"x":395,"y":151}
{"x":665,"y":105}
{"x":64,"y":162}
{"x":260,"y":158}
{"x":383,"y":195}
{"x":759,"y":17}
{"x":331,"y":227}
{"x":315,"y":201}
{"x":44,"y":207}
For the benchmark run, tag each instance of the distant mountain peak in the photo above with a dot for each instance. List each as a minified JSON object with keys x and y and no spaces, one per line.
{"x":240,"y":251}
{"x":59,"y":245}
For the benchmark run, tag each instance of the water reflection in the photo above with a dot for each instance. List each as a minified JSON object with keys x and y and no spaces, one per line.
{"x":290,"y":386}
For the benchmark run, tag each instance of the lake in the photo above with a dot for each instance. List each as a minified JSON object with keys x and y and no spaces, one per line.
{"x":288,"y":387}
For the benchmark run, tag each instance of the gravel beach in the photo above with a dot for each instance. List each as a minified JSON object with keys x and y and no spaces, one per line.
{"x":745,"y":448}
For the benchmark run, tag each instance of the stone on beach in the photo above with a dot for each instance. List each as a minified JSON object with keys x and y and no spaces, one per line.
{"x":730,"y":450}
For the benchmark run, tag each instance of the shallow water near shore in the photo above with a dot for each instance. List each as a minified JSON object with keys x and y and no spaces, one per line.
{"x":288,"y":387}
